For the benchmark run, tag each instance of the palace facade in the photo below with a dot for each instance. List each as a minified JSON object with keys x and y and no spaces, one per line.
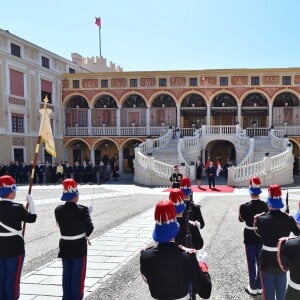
{"x":101,"y":113}
{"x":107,"y":114}
{"x":27,"y":74}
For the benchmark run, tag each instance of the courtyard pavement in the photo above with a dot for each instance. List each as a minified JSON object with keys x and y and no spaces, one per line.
{"x":108,"y":252}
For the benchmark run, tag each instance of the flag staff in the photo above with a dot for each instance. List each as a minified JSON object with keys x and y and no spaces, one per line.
{"x":98,"y":23}
{"x":44,"y":127}
{"x":100,"y":41}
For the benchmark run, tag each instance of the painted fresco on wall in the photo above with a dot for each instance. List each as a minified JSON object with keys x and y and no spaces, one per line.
{"x":104,"y":116}
{"x":289,"y":115}
{"x":161,"y":115}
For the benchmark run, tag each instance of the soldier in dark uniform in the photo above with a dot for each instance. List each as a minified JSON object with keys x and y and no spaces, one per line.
{"x":194,"y":210}
{"x":271,"y":227}
{"x":289,"y":260}
{"x":75,"y":226}
{"x":169,"y":269}
{"x":253,"y":243}
{"x":68,"y":170}
{"x":12,"y":249}
{"x":40,"y":171}
{"x":189,"y":233}
{"x":176,"y":177}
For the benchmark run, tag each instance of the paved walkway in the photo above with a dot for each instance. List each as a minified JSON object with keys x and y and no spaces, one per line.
{"x":107,"y":254}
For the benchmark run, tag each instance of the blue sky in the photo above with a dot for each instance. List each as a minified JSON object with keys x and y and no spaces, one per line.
{"x":164,"y":34}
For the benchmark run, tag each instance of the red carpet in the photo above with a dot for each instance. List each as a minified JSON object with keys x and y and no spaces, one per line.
{"x":206,"y":189}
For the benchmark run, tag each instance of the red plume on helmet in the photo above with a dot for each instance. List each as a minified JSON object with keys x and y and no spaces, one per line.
{"x":7,"y":185}
{"x":254,"y":185}
{"x":177,"y":197}
{"x":274,"y":197}
{"x":166,"y":227}
{"x":185,"y":185}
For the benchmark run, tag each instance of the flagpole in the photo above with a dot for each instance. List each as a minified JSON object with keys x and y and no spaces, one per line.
{"x":37,"y":149}
{"x":100,"y":40}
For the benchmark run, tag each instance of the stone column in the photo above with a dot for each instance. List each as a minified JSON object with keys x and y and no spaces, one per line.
{"x":120,"y":161}
{"x":270,"y":115}
{"x":118,"y":115}
{"x":92,"y":155}
{"x":148,"y":120}
{"x":208,"y":115}
{"x":239,"y":113}
{"x":89,"y":121}
{"x":178,"y":115}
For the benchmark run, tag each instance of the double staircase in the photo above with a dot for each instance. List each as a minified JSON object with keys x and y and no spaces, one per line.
{"x":269,"y":157}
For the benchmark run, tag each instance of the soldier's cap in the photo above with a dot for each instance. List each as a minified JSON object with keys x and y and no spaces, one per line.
{"x":166,"y":225}
{"x":7,"y":185}
{"x":274,"y":198}
{"x":185,"y":186}
{"x":254,"y":185}
{"x":177,"y":197}
{"x":70,"y":189}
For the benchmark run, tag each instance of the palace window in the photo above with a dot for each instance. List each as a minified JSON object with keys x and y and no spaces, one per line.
{"x":15,"y":50}
{"x":71,"y":70}
{"x":75,"y":84}
{"x":104,"y":83}
{"x":19,"y":154}
{"x":286,"y":80}
{"x":46,"y":90}
{"x":162,"y":82}
{"x":16,"y":80}
{"x":17,"y":121}
{"x":133,"y":82}
{"x":193,"y":81}
{"x":223,"y":81}
{"x":45,"y":62}
{"x":254,"y":80}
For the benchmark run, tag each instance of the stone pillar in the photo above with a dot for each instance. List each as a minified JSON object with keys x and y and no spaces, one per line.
{"x":148,"y":120}
{"x":208,"y":115}
{"x":270,"y":115}
{"x":92,"y":155}
{"x":118,"y":117}
{"x":239,"y":113}
{"x":121,"y":158}
{"x":89,"y":121}
{"x":178,"y":115}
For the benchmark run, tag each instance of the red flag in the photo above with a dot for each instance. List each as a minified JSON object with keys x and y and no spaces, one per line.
{"x":98,"y":22}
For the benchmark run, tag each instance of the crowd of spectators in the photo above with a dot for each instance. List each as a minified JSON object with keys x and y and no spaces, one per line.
{"x":52,"y":173}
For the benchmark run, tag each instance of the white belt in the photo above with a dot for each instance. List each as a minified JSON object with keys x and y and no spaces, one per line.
{"x":294,"y":285}
{"x":250,"y":228}
{"x":271,"y":249}
{"x":12,"y":231}
{"x":73,"y":237}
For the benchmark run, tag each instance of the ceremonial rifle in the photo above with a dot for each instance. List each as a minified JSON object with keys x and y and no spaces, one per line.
{"x":189,"y":240}
{"x":287,"y":210}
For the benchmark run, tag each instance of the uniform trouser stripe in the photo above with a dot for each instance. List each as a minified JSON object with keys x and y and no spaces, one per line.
{"x":20,"y":260}
{"x":83,"y":273}
{"x":10,"y":274}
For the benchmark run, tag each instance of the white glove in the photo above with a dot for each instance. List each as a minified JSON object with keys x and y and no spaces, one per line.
{"x":31,"y":206}
{"x":29,"y":198}
{"x":91,"y":208}
{"x":195,"y":223}
{"x":202,"y":256}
